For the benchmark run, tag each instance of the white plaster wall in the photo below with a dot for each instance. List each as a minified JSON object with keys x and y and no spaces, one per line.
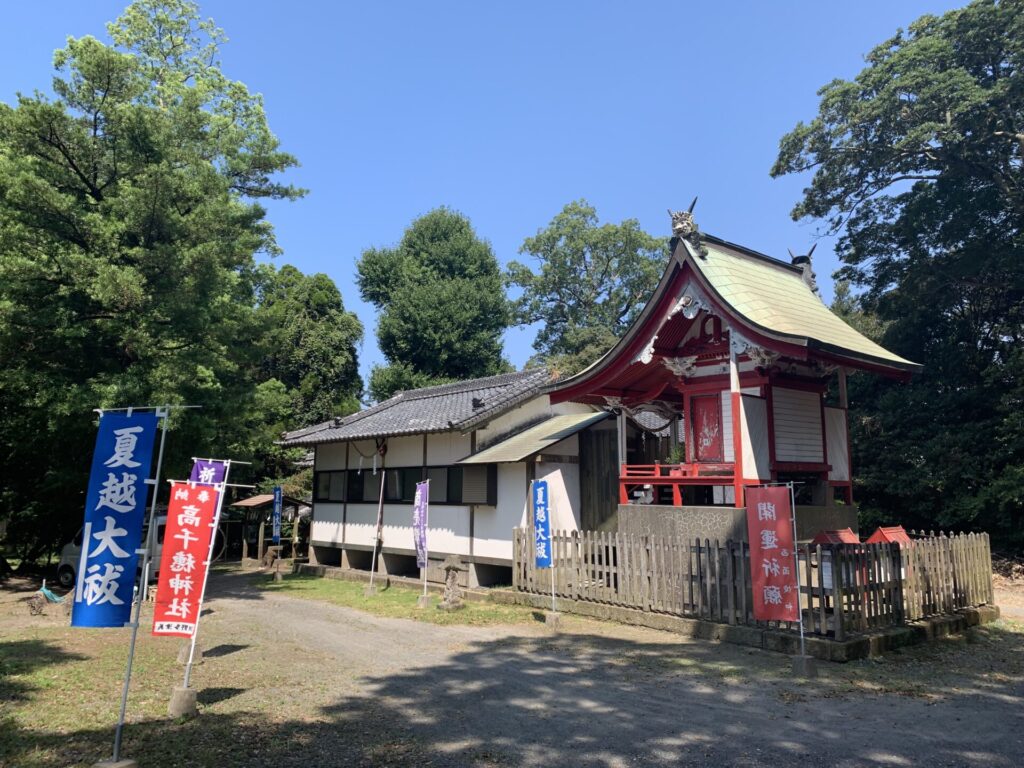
{"x":327,"y":523}
{"x":405,"y":451}
{"x":448,"y":527}
{"x":447,"y":448}
{"x":492,"y":526}
{"x":330,"y":456}
{"x":563,"y":492}
{"x":362,"y":523}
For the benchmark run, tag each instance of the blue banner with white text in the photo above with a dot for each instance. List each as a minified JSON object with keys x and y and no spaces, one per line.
{"x":542,"y":523}
{"x":115,"y":509}
{"x":276,"y":519}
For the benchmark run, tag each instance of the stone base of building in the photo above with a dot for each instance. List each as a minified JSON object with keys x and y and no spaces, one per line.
{"x":868,"y":645}
{"x":723,"y":523}
{"x":402,"y":564}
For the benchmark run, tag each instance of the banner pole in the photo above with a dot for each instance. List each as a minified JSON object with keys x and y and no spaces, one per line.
{"x":551,"y":546}
{"x":796,"y":570}
{"x":161,"y":412}
{"x":377,"y":531}
{"x":206,"y":575}
{"x":552,"y":569}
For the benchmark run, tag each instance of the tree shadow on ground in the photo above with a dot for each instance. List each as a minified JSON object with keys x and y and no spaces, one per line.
{"x":21,"y":659}
{"x":589,"y":700}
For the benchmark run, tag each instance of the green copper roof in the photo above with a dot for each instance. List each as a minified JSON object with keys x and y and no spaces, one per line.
{"x":775,"y":297}
{"x":535,"y":439}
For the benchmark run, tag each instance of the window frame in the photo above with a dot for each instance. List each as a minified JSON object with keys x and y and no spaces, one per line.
{"x":326,"y":498}
{"x":354,"y":488}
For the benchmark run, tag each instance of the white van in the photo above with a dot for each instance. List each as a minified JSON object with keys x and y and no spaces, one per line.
{"x":71,"y":554}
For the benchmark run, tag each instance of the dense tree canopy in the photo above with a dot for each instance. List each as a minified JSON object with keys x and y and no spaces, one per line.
{"x":918,"y":163}
{"x":129,"y":223}
{"x":310,"y":343}
{"x":591,"y":283}
{"x":441,"y":301}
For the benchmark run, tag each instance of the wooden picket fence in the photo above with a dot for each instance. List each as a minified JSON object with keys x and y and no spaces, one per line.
{"x":844,"y":588}
{"x":944,"y":572}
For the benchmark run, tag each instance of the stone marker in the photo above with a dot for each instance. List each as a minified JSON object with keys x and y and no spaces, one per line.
{"x":423,"y":601}
{"x":183,"y":703}
{"x":197,"y":657}
{"x":118,"y":764}
{"x":452,"y":599}
{"x":552,"y":619}
{"x":805,"y":667}
{"x":369,"y":590}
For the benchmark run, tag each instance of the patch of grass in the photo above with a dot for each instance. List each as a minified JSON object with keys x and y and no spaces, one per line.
{"x":55,"y":681}
{"x":396,"y":601}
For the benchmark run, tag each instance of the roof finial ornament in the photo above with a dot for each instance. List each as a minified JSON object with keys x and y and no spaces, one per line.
{"x":684,"y":228}
{"x":804,"y":262}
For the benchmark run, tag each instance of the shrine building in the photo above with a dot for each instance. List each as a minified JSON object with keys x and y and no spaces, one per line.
{"x":734,"y":358}
{"x":733,"y":374}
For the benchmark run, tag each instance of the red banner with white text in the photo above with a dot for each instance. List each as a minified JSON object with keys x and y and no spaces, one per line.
{"x":772,"y":569}
{"x":190,"y":522}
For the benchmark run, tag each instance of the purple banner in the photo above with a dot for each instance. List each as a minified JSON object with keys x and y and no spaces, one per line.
{"x":419,"y":522}
{"x":207,"y":471}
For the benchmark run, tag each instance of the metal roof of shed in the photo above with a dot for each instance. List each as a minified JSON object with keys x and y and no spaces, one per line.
{"x":263,"y":499}
{"x":535,"y":439}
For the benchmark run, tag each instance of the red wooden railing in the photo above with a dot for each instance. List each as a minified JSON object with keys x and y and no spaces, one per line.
{"x":674,"y":476}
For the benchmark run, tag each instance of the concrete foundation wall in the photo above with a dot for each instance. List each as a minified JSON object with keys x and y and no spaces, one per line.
{"x":723,"y":523}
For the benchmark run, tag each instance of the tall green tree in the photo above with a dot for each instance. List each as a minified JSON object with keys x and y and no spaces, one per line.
{"x":918,"y":163}
{"x":441,"y":301}
{"x":310,"y":344}
{"x":591,"y":282}
{"x":129,"y":220}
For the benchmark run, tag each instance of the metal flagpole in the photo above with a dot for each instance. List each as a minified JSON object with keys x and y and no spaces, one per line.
{"x":221,"y":493}
{"x":552,"y":569}
{"x":161,"y":412}
{"x":551,"y":544}
{"x":376,"y":535}
{"x":796,"y":569}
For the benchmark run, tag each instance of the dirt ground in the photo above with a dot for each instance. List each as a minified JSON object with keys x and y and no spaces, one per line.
{"x":292,"y":682}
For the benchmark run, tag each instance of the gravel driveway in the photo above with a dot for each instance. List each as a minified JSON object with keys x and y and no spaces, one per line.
{"x":353,"y":689}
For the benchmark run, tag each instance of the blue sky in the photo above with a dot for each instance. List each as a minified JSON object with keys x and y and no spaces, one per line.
{"x":507,"y":111}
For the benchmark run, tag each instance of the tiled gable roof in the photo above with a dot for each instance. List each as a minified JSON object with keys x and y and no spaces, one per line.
{"x":454,"y":407}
